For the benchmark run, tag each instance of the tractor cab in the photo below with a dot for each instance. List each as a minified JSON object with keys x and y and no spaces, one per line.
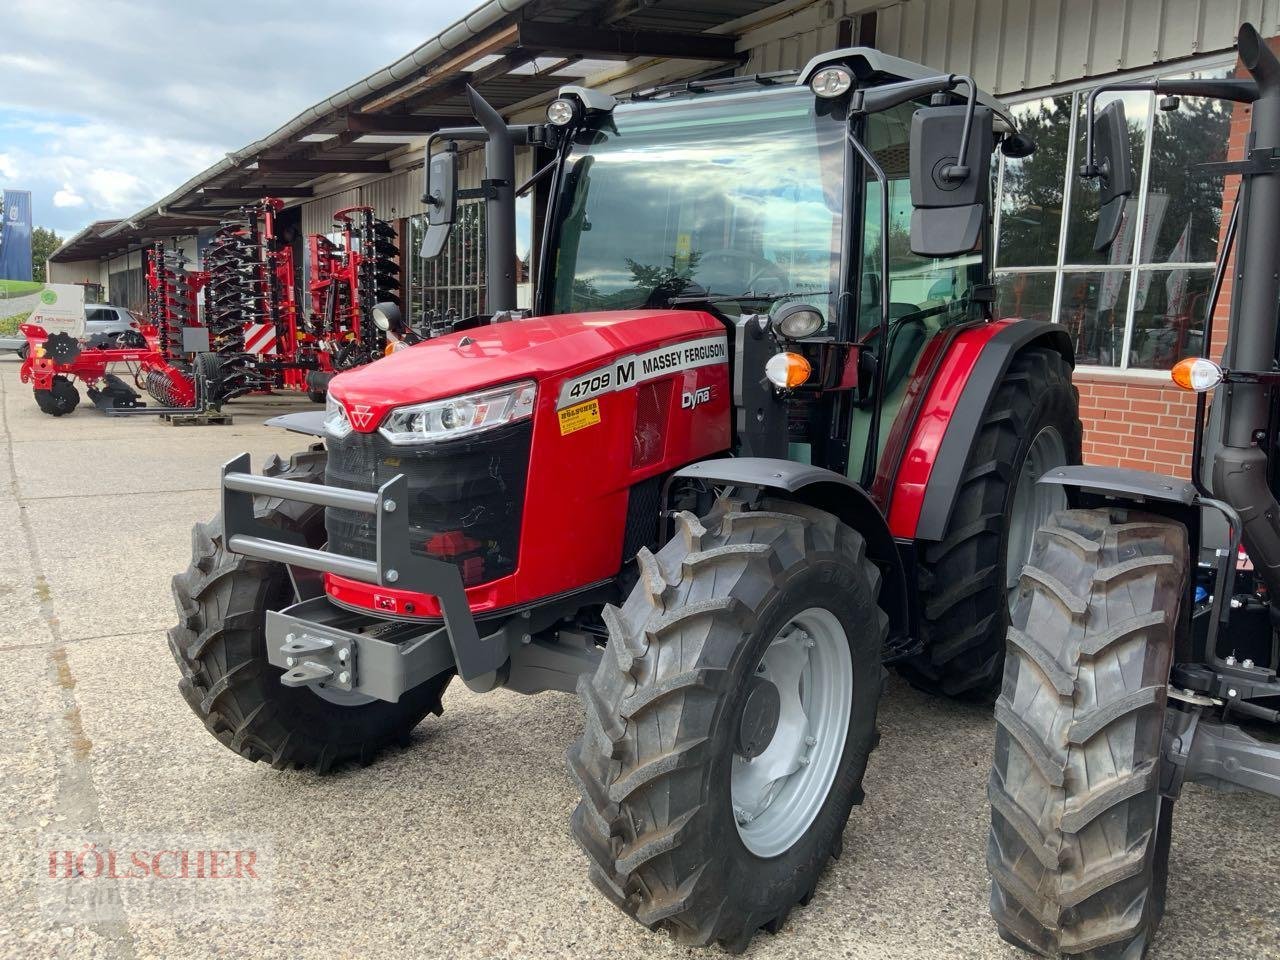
{"x":833,"y":195}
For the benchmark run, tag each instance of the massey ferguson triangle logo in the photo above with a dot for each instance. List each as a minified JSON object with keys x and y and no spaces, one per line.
{"x":361,"y":415}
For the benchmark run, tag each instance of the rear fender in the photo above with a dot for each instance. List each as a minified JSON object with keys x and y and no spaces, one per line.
{"x":829,"y":491}
{"x":934,"y":470}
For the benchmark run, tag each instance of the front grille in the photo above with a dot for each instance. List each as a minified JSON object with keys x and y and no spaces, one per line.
{"x":465,"y":496}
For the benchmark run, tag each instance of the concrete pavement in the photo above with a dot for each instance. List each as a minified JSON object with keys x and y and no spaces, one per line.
{"x":458,"y":845}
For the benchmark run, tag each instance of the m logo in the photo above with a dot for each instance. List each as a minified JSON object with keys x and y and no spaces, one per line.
{"x":692,"y":398}
{"x":361,"y":415}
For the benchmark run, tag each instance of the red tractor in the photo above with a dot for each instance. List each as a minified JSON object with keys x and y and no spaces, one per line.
{"x":758,"y":438}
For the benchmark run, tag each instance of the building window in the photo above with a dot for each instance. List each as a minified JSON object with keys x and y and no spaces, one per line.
{"x":455,"y":281}
{"x":1139,"y":305}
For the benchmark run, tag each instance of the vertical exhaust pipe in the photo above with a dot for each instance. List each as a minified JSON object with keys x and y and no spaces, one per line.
{"x":1240,"y":465}
{"x":500,"y":205}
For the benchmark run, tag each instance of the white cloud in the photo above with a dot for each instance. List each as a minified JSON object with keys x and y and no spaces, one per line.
{"x":116,"y":104}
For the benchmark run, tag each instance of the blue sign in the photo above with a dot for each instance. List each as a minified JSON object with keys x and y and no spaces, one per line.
{"x":15,"y":236}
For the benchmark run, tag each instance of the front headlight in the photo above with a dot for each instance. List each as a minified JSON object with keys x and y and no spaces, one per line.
{"x":459,"y":416}
{"x":336,"y":423}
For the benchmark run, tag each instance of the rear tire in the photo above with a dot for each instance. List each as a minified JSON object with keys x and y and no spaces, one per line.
{"x":61,"y":398}
{"x":220,"y":645}
{"x":965,"y":579}
{"x":659,"y":761}
{"x":1079,"y":844}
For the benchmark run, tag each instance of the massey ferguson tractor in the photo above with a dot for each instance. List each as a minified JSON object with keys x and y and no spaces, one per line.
{"x":759,"y":437}
{"x":1142,"y":652}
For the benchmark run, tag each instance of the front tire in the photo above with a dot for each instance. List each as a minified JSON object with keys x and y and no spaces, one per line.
{"x":1079,"y":845}
{"x":675,"y":835}
{"x":220,"y":646}
{"x":967,"y":579}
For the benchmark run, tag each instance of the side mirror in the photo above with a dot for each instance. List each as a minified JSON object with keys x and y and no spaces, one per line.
{"x":1114,"y":167}
{"x":440,"y":193}
{"x":387,"y":317}
{"x":948,"y":192}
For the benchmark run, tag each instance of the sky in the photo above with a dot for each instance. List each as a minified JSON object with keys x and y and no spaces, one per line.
{"x":108,"y":105}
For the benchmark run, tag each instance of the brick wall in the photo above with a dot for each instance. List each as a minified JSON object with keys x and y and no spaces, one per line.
{"x":1144,"y":425}
{"x":1145,"y":422}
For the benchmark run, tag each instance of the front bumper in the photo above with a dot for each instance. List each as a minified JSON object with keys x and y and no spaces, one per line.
{"x":309,"y":638}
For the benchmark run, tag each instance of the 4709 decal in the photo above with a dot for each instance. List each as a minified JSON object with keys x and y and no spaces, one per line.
{"x":639,"y":367}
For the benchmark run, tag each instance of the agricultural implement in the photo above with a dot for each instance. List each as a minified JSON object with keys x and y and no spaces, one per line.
{"x":349,"y":275}
{"x":759,"y":438}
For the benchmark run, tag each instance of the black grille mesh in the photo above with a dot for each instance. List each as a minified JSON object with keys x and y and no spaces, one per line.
{"x":465,"y":496}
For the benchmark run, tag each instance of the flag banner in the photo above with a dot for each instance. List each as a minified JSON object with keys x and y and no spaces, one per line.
{"x":15,"y":236}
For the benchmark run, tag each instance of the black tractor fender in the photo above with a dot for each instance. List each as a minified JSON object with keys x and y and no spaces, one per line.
{"x":309,"y":423}
{"x":1170,"y":497}
{"x":947,"y":476}
{"x":829,"y":491}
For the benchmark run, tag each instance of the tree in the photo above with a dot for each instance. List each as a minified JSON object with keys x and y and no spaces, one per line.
{"x":43,"y":243}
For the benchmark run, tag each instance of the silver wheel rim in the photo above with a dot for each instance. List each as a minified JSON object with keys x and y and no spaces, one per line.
{"x":777,"y":795}
{"x":1033,"y":502}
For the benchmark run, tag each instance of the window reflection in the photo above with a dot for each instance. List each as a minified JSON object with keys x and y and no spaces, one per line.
{"x":1082,"y":220}
{"x":1024,"y":296}
{"x":1093,"y":309}
{"x":1168,"y":316}
{"x":1031,"y":200}
{"x":1184,"y":209}
{"x":1181,"y":224}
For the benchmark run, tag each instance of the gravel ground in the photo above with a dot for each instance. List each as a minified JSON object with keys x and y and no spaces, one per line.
{"x":458,"y":845}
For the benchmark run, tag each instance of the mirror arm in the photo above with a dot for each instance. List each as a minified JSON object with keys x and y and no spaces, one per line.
{"x":960,"y":170}
{"x":873,"y":429}
{"x":427,"y":198}
{"x":1237,"y":91}
{"x":878,"y":99}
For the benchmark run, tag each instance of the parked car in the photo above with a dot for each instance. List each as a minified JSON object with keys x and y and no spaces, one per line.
{"x":105,"y":321}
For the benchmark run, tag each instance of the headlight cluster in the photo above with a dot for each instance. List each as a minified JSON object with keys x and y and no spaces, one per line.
{"x":336,"y":423}
{"x":459,"y":416}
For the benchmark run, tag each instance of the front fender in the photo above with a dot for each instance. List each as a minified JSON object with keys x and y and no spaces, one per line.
{"x":829,"y":491}
{"x":309,"y":423}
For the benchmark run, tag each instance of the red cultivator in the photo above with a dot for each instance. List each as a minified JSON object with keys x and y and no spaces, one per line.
{"x":255,"y":342}
{"x":250,"y":306}
{"x":347,"y":278}
{"x":153,"y":354}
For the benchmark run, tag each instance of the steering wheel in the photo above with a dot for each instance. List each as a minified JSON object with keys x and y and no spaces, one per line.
{"x":762,"y":268}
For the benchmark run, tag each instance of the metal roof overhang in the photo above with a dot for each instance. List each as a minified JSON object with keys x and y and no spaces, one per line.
{"x":512,"y":51}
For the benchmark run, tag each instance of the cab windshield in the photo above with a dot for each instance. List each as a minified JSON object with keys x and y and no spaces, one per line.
{"x":733,"y":195}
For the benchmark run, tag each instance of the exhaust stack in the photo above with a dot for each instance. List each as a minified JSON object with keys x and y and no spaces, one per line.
{"x":499,"y":204}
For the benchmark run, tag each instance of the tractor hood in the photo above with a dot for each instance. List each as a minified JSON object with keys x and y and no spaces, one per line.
{"x":539,"y":348}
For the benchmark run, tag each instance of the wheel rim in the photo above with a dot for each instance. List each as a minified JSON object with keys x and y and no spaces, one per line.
{"x":778,"y":793}
{"x":1033,"y":502}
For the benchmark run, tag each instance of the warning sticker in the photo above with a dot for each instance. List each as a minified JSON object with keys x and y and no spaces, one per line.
{"x":579,"y":416}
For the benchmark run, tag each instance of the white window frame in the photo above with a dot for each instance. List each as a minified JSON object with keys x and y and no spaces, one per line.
{"x":1133,"y":267}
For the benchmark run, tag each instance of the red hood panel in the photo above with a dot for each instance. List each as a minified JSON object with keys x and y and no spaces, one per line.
{"x":540,"y":348}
